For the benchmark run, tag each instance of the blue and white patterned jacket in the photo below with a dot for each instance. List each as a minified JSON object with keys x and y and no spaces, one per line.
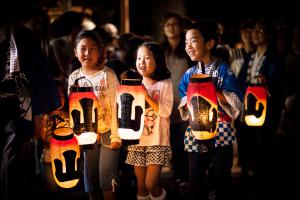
{"x":225,"y":81}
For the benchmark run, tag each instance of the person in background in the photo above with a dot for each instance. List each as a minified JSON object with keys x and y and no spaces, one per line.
{"x":110,"y":61}
{"x":100,"y":162}
{"x":27,"y":90}
{"x":61,"y":46}
{"x":263,"y":67}
{"x":153,"y":151}
{"x":177,"y":62}
{"x":50,"y":121}
{"x":237,"y":55}
{"x":217,"y":153}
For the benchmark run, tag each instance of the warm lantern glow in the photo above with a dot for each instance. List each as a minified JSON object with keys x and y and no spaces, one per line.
{"x":131,"y":109}
{"x":255,"y":108}
{"x":65,"y":156}
{"x":83,"y":105}
{"x":202,"y":106}
{"x":87,"y":138}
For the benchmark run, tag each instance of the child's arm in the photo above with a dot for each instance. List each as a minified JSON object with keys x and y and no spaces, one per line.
{"x":150,"y":101}
{"x":182,"y":88}
{"x":222,"y":99}
{"x":165,"y":103}
{"x":183,"y":84}
{"x":166,"y":99}
{"x":229,"y":92}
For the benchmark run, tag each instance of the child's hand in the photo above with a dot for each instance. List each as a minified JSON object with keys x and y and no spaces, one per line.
{"x":115,"y":145}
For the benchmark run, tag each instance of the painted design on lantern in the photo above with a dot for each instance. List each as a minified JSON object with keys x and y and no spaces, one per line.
{"x":150,"y":115}
{"x":202,"y":114}
{"x":131,"y":107}
{"x":65,"y":156}
{"x":255,"y":105}
{"x":202,"y":106}
{"x":84,"y":110}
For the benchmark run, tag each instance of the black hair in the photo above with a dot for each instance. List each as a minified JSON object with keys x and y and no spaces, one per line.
{"x":269,"y":29}
{"x":130,"y":46}
{"x":267,"y":24}
{"x":92,"y":35}
{"x":208,"y":30}
{"x":89,"y":34}
{"x":247,"y":24}
{"x":105,"y":37}
{"x":161,"y":72}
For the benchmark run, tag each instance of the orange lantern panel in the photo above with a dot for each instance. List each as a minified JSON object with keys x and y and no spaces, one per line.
{"x":65,"y":156}
{"x":255,"y":105}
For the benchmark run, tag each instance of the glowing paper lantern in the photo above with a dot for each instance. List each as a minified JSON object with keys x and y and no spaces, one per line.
{"x":202,"y":106}
{"x":83,"y":113}
{"x":131,"y":109}
{"x":65,"y":156}
{"x":255,"y":105}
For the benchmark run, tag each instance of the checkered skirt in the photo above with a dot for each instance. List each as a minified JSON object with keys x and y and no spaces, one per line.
{"x":146,"y":155}
{"x":225,"y":136}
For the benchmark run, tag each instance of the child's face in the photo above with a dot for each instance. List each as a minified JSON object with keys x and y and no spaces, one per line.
{"x":195,"y":45}
{"x":145,"y":62}
{"x":87,"y":52}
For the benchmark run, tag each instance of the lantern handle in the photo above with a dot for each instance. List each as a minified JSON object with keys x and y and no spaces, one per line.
{"x":76,"y":80}
{"x":83,"y":77}
{"x":54,"y":118}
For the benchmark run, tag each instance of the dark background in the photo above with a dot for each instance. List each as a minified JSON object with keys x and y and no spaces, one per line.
{"x":146,"y":15}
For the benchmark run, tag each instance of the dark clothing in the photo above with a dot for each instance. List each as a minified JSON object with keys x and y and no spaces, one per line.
{"x":180,"y":157}
{"x":219,"y":160}
{"x":15,"y":132}
{"x":286,"y":154}
{"x":273,"y":73}
{"x":260,"y":139}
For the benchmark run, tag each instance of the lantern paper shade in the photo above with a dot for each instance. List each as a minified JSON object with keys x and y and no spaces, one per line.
{"x":131,"y":109}
{"x":255,"y":105}
{"x":65,"y":156}
{"x":202,"y":106}
{"x":84,"y":114}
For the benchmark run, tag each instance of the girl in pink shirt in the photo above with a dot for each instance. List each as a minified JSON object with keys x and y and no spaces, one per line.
{"x":153,"y":151}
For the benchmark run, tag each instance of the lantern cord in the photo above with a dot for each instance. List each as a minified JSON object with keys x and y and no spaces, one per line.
{"x":202,"y":67}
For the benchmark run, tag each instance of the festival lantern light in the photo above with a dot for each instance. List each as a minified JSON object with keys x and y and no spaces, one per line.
{"x":202,"y":106}
{"x":83,"y":113}
{"x":65,"y":157}
{"x":255,"y":105}
{"x":130,"y":109}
